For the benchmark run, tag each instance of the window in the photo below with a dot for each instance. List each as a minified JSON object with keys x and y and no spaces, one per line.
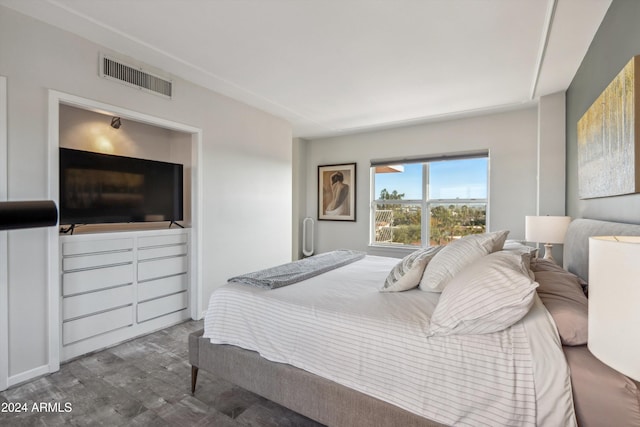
{"x":428,"y":201}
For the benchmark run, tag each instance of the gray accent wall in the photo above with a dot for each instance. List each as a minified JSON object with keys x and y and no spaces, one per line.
{"x":615,"y":43}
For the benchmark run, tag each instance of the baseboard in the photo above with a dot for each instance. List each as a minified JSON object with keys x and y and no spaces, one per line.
{"x":28,"y":375}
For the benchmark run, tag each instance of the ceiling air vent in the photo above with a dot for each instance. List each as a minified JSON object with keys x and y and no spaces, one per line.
{"x":134,"y":76}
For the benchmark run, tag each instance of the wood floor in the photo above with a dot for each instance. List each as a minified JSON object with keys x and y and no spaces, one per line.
{"x":143,"y":382}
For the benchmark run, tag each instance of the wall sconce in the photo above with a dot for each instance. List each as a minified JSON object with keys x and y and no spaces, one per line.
{"x":116,"y":123}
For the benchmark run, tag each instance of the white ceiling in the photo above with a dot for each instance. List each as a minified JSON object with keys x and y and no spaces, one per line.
{"x":339,"y":66}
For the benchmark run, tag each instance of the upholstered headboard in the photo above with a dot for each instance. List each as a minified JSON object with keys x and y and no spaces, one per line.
{"x":576,"y":242}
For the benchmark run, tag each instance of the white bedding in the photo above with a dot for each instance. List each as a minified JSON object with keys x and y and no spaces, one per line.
{"x":338,"y":326}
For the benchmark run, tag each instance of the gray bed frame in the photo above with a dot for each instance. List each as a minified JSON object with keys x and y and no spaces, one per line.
{"x":333,"y":404}
{"x":317,"y":398}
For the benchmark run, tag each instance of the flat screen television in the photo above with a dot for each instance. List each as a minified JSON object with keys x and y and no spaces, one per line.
{"x":102,"y":188}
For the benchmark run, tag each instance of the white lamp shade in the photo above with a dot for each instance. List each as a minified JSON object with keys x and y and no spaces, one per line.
{"x":546,"y":229}
{"x":614,"y":302}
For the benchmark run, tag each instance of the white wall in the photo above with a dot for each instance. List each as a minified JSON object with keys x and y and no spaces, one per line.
{"x":552,"y":160}
{"x":299,"y":194}
{"x":510,"y":137}
{"x":551,"y":154}
{"x":246,"y":168}
{"x":82,"y":129}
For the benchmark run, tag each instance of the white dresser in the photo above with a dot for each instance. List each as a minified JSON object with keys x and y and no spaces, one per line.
{"x":116,"y":286}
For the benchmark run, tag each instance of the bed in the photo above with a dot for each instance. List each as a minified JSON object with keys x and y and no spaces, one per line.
{"x":254,"y":338}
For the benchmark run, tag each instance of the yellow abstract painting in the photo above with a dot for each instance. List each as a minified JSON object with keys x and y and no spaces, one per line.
{"x":608,"y":150}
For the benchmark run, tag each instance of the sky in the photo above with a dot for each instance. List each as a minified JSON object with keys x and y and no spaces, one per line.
{"x":449,"y":179}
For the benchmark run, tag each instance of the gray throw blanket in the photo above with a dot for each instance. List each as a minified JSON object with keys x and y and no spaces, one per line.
{"x":286,"y":274}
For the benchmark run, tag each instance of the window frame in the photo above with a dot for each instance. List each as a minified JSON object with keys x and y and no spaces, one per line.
{"x":426,"y":202}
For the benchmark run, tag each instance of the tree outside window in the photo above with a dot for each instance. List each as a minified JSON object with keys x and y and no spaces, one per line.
{"x":454,"y":196}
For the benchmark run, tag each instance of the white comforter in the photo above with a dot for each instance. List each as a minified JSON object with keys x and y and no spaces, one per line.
{"x":338,"y":326}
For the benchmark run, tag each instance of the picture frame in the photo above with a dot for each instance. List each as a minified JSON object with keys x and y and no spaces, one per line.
{"x":337,"y":192}
{"x":608,"y":140}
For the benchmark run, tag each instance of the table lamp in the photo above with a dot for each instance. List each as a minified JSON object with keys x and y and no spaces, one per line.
{"x":614,"y":302}
{"x":548,"y":229}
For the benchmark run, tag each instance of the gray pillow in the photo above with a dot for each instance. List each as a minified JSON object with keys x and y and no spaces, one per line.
{"x":457,"y":255}
{"x":407,"y":273}
{"x":488,"y":296}
{"x":562,"y":295}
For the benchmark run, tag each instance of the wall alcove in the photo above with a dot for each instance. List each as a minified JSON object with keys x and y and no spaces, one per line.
{"x":86,"y":130}
{"x":85,"y":124}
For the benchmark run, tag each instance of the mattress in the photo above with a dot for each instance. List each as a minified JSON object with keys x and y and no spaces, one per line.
{"x":338,"y":326}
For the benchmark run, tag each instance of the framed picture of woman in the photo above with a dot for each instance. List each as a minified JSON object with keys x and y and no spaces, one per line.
{"x":337,"y":192}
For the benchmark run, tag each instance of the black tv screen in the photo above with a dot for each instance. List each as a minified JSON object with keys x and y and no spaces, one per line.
{"x":102,"y":188}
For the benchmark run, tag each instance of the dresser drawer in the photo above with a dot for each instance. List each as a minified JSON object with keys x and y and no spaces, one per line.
{"x":170,"y":239}
{"x":161,"y":306}
{"x":160,"y":287}
{"x":97,"y":245}
{"x":161,"y":251}
{"x":96,"y":260}
{"x":86,"y":304}
{"x":153,"y":269}
{"x":92,"y":280}
{"x":86,"y":327}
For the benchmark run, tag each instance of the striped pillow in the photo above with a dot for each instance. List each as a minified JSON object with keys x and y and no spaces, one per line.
{"x":457,"y":255}
{"x":488,"y":296}
{"x":407,"y":273}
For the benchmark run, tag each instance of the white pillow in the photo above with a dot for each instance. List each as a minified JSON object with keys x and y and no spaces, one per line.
{"x":518,"y":246}
{"x":528,"y":253}
{"x":457,"y":255}
{"x":490,"y":295}
{"x":407,"y":273}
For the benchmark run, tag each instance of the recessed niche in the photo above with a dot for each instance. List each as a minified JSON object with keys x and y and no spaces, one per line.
{"x":87,"y":130}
